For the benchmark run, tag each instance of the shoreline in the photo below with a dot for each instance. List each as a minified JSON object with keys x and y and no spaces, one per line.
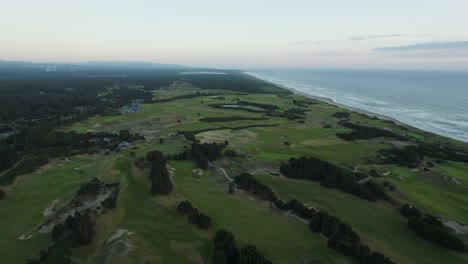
{"x":354,"y":109}
{"x":330,"y":101}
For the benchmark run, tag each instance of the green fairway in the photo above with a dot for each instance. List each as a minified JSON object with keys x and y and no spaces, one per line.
{"x":21,"y":212}
{"x":378,"y":224}
{"x":252,"y":221}
{"x":435,"y":195}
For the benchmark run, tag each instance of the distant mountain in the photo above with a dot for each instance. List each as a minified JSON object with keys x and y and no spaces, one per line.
{"x":26,"y":66}
{"x":130,"y":64}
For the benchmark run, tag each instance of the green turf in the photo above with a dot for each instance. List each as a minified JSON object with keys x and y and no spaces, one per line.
{"x":379,"y":224}
{"x":282,"y":239}
{"x":21,"y":211}
{"x":432,"y":194}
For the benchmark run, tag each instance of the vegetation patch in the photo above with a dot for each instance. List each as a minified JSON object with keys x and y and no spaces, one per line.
{"x":229,"y":119}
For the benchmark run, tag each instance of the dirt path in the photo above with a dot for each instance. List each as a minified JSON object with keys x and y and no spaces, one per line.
{"x":269,"y":170}
{"x":222,"y":170}
{"x":14,"y":166}
{"x":291,"y":214}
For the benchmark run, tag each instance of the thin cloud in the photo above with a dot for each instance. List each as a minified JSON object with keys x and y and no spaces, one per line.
{"x":324,"y":42}
{"x":359,"y":38}
{"x":312,"y":42}
{"x":455,"y":45}
{"x":301,"y":42}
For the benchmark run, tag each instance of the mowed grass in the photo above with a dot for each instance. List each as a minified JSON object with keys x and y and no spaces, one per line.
{"x":305,"y":141}
{"x":21,"y":213}
{"x":379,"y":224}
{"x":253,"y":221}
{"x":459,"y":171}
{"x":159,"y":234}
{"x":163,"y":118}
{"x":432,"y":194}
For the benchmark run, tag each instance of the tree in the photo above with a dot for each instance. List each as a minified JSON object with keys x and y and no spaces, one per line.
{"x":249,"y":255}
{"x":409,"y":211}
{"x":232,"y":188}
{"x":124,"y":135}
{"x":225,"y":242}
{"x":2,"y":194}
{"x":161,"y":141}
{"x":185,"y":207}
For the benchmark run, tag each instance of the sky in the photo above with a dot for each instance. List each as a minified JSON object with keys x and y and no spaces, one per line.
{"x":243,"y":34}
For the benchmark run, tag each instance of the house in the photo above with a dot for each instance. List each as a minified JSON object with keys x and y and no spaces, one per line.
{"x":124,"y":145}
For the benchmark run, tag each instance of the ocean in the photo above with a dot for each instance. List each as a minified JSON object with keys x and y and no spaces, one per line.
{"x":434,"y":101}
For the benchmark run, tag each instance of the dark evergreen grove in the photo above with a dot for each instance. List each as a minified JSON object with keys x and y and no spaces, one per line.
{"x":226,"y":251}
{"x":331,"y":176}
{"x":431,"y":228}
{"x":341,"y":237}
{"x":194,"y":215}
{"x":342,"y":115}
{"x":201,"y":154}
{"x":366,"y":132}
{"x":159,"y":175}
{"x":412,"y":156}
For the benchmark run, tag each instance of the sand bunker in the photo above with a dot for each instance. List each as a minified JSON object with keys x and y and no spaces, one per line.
{"x":458,"y":228}
{"x":50,"y":209}
{"x":118,"y":234}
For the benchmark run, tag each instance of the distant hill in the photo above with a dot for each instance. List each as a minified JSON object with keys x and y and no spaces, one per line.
{"x":25,"y":66}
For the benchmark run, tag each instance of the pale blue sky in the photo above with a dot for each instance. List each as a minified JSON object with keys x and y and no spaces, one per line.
{"x":241,"y":33}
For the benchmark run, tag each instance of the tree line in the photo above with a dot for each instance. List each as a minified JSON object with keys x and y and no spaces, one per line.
{"x":431,"y":229}
{"x":194,"y":215}
{"x":341,"y":237}
{"x":226,"y":251}
{"x":366,"y":132}
{"x":201,"y":154}
{"x":229,"y":119}
{"x":159,"y":175}
{"x":331,"y":176}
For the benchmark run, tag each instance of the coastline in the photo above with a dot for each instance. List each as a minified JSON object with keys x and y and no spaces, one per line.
{"x":433,"y":135}
{"x":330,"y":101}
